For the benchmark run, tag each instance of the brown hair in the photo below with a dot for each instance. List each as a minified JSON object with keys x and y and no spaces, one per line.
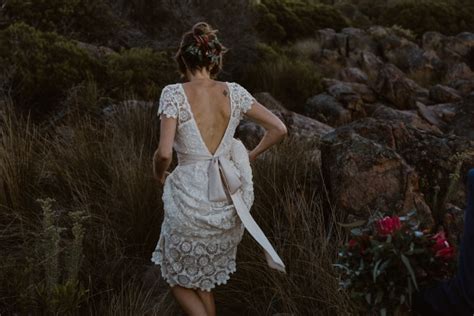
{"x":199,"y":49}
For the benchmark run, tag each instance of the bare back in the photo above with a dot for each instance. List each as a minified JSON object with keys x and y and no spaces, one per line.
{"x":211,"y":109}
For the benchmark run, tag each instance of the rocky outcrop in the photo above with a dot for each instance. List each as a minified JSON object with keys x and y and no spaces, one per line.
{"x":393,"y":85}
{"x":364,"y":176}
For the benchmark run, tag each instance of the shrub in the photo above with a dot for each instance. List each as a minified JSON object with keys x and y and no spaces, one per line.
{"x":139,"y":71}
{"x":292,"y":19}
{"x":288,"y":79}
{"x":441,"y":16}
{"x":41,"y":65}
{"x":87,"y":20}
{"x":388,"y":259}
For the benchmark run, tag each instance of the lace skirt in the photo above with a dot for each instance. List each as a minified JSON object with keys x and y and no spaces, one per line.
{"x":198,"y":242}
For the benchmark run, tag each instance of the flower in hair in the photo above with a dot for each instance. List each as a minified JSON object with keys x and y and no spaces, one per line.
{"x":210,"y":48}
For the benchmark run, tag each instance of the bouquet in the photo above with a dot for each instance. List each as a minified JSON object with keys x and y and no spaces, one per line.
{"x":387,"y":258}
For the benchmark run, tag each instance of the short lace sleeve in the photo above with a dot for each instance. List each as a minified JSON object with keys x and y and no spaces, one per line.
{"x":244,"y":98}
{"x":168,"y":105}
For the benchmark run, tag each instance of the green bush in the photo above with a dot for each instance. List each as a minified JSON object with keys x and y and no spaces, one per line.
{"x":288,"y":20}
{"x":139,"y":71}
{"x":41,"y":65}
{"x":290,"y":80}
{"x":87,"y":20}
{"x":441,"y":16}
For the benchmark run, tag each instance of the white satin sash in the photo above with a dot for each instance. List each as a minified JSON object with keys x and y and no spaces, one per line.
{"x":222,"y":178}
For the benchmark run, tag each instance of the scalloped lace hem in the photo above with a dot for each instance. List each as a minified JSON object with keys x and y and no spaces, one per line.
{"x":172,"y":283}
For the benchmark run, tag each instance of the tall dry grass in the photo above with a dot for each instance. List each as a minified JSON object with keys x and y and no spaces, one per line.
{"x":101,"y":169}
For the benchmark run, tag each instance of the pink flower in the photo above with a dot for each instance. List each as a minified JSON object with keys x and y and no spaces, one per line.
{"x":388,"y":225}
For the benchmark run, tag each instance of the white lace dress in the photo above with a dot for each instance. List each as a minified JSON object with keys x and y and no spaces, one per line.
{"x":200,"y":233}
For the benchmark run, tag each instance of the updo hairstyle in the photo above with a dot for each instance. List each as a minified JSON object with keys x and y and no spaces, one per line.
{"x":200,"y":48}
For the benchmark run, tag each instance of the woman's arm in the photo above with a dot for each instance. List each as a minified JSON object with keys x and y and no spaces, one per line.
{"x":164,"y":153}
{"x":275,"y":129}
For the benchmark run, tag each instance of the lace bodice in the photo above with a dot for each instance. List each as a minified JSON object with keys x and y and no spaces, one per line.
{"x":188,"y":140}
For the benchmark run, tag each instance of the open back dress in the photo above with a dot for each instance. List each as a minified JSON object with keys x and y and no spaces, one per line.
{"x":206,"y":198}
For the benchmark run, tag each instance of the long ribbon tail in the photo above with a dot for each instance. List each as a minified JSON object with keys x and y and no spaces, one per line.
{"x":274,"y":261}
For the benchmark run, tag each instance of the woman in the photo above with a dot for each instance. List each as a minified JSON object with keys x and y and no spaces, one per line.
{"x":208,"y":196}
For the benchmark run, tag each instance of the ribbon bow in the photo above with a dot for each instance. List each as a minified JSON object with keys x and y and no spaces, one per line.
{"x":223,"y":176}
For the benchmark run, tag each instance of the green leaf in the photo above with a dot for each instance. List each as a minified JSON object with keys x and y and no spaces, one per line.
{"x":407,"y":264}
{"x":375,"y":271}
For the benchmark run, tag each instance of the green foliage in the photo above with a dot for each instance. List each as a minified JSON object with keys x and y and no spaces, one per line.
{"x":139,"y":71}
{"x":290,"y":80}
{"x":89,"y":20}
{"x":387,"y":259}
{"x":41,"y":65}
{"x":422,"y":16}
{"x":289,"y":20}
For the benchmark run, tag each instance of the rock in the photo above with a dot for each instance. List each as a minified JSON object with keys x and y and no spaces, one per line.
{"x":410,"y":118}
{"x":429,"y":115}
{"x":402,"y":53}
{"x":434,"y":157}
{"x":369,"y":62}
{"x":340,"y":88}
{"x":359,"y":40}
{"x":269,"y":101}
{"x":449,"y":48}
{"x":300,"y":127}
{"x":465,"y":87}
{"x":459,"y":71}
{"x":330,"y":56}
{"x":445,"y":111}
{"x":444,"y":94}
{"x":363,"y":176}
{"x":327,"y":109}
{"x":397,"y":88}
{"x":353,"y":74}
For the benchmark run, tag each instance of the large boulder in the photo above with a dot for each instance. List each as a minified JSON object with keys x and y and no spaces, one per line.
{"x":451,"y":48}
{"x":364,"y":176}
{"x":325,"y":108}
{"x":408,"y":117}
{"x":436,"y":158}
{"x":397,"y":88}
{"x":300,"y":128}
{"x":443,"y":94}
{"x":353,"y":74}
{"x":359,"y":40}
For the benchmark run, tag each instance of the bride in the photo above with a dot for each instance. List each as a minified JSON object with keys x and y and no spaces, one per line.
{"x":207,"y":198}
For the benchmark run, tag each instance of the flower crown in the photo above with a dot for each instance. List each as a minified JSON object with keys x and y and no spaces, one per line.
{"x":210,"y":48}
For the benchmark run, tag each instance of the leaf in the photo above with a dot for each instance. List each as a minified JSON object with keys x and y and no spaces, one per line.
{"x":353,"y":224}
{"x":340,"y":266}
{"x":383,"y":312}
{"x":375,"y":271}
{"x":368,"y":298}
{"x":356,"y":232}
{"x":407,"y":264}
